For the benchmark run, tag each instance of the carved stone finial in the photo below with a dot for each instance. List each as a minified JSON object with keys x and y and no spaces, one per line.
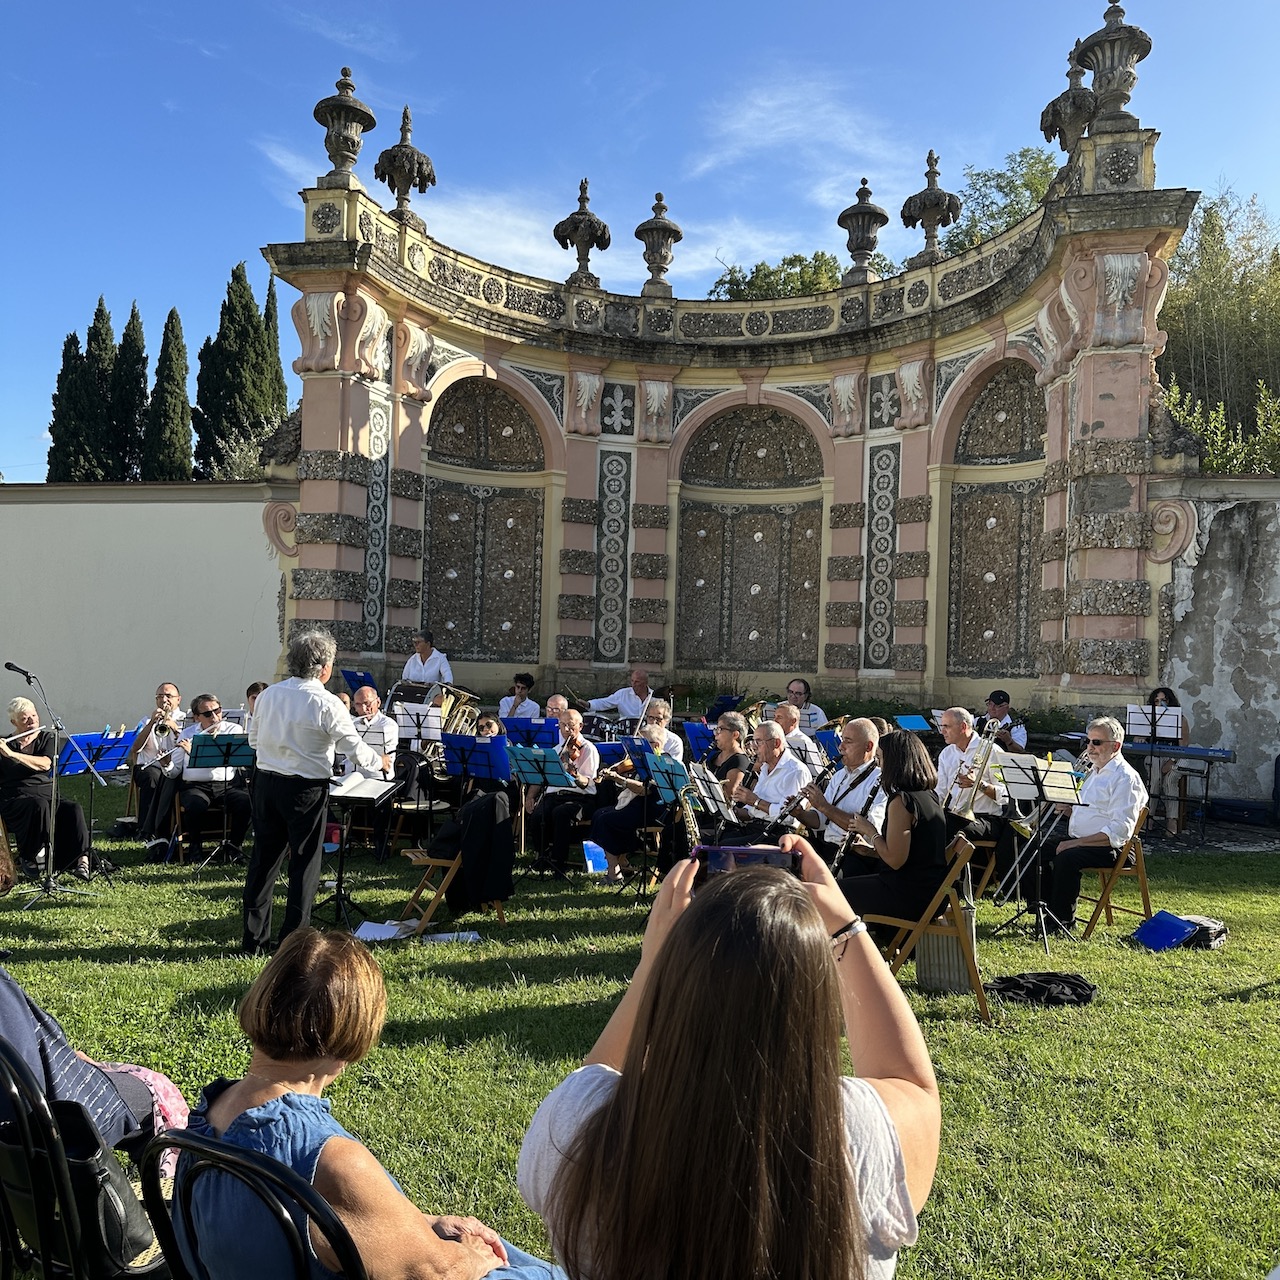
{"x":1111,"y":54}
{"x":346,"y":119}
{"x":658,"y":234}
{"x":863,"y":222}
{"x":584,"y":231}
{"x":402,"y":168}
{"x":1071,"y":112}
{"x":931,"y":208}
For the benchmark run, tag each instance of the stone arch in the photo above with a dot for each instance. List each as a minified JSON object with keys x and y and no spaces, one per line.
{"x":972,"y":385}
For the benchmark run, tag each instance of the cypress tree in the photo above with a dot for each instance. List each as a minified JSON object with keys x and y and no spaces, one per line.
{"x":100,"y":457}
{"x":275,"y":370}
{"x":129,"y":401}
{"x":166,"y":450}
{"x":233,"y":394}
{"x":66,"y":428}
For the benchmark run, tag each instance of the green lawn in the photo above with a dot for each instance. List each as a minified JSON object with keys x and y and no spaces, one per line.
{"x":1137,"y":1137}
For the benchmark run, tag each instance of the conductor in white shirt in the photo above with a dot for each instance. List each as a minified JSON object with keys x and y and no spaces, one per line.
{"x":296,"y":726}
{"x":427,"y":665}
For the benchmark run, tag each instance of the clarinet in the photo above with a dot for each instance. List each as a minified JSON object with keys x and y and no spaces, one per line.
{"x":780,"y":824}
{"x":851,"y":837}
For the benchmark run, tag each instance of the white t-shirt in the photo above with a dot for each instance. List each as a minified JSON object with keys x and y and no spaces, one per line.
{"x":878,"y":1167}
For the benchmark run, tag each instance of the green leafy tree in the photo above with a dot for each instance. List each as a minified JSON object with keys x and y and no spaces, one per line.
{"x":1230,"y":449}
{"x":70,"y":404}
{"x":129,"y":401}
{"x":794,"y":276}
{"x":992,"y":200}
{"x":275,"y":370}
{"x":166,"y":449}
{"x":235,"y":404}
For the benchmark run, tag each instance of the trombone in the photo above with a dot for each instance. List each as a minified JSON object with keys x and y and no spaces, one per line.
{"x":952,"y":804}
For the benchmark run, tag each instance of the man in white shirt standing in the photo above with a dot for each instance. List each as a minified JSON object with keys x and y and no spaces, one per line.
{"x":855,"y":789}
{"x":427,"y":665}
{"x":781,"y":777}
{"x":296,"y":726}
{"x":201,"y":788}
{"x":1111,"y":798}
{"x":629,"y":703}
{"x":804,"y":748}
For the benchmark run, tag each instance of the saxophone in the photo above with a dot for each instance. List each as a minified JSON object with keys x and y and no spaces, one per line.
{"x":688,"y":794}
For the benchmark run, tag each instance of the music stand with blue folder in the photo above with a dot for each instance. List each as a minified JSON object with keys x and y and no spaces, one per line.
{"x":829,"y":741}
{"x":95,"y":754}
{"x":915,"y":724}
{"x":221,"y":751}
{"x":532,"y":733}
{"x":358,"y":679}
{"x":701,"y":738}
{"x":610,"y":753}
{"x":468,"y":756}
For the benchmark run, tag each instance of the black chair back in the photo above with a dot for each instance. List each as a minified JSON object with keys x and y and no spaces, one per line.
{"x":258,"y":1239}
{"x":61,"y":1214}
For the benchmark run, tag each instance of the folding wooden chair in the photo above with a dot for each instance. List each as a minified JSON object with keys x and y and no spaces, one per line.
{"x":1109,"y":877}
{"x":943,"y":916}
{"x":446,"y":869}
{"x":989,"y":870}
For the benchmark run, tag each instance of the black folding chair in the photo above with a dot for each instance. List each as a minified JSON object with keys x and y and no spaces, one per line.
{"x":45,"y":1155}
{"x":259,"y":1242}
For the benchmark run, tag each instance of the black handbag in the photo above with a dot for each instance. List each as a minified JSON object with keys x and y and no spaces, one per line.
{"x":113,"y":1223}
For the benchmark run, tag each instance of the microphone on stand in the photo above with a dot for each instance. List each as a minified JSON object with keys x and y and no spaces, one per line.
{"x":13,"y":666}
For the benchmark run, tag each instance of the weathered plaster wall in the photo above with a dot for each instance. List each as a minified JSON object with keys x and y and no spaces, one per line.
{"x":1226,"y":630}
{"x":110,"y":589}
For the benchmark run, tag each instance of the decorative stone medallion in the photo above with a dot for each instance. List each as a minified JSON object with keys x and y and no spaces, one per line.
{"x":882,"y":498}
{"x":326,"y":218}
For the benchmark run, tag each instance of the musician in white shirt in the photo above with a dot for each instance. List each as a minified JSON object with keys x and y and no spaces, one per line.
{"x":427,"y":665}
{"x":658,"y":713}
{"x":148,"y":756}
{"x":781,"y":778}
{"x":798,"y":695}
{"x":855,"y":789}
{"x":1011,"y":735}
{"x":1111,"y":798}
{"x":381,"y":733}
{"x":551,"y":814}
{"x":297,"y":724}
{"x":200,"y":788}
{"x":518,"y":704}
{"x":804,"y":748}
{"x":628,"y":703}
{"x":956,"y":780}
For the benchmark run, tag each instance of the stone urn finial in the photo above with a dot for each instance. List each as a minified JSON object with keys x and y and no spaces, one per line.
{"x":931,"y":208}
{"x":1111,"y":54}
{"x":403,"y":167}
{"x":346,"y":119}
{"x":1070,"y":113}
{"x":658,"y":234}
{"x":584,"y":231}
{"x":862,"y":221}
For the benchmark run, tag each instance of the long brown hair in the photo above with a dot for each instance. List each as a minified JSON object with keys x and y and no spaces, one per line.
{"x":905,"y":764}
{"x":722,"y":1152}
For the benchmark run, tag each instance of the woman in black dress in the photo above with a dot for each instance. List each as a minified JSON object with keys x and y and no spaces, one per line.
{"x":909,"y":859}
{"x":26,"y":797}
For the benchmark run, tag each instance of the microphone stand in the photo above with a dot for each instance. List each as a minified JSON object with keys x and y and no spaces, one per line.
{"x":48,"y":886}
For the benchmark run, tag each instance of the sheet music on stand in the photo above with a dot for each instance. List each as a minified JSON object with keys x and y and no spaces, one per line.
{"x":419,"y":724}
{"x":355,"y":786}
{"x":469,"y":756}
{"x":711,"y":794}
{"x":1154,"y":724}
{"x":538,"y":767}
{"x":668,"y":775}
{"x":1027,"y":777}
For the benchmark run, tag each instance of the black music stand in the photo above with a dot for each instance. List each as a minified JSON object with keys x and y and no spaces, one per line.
{"x":96,"y":754}
{"x":711,"y":797}
{"x":1159,"y":726}
{"x":468,"y":756}
{"x":1045,"y":783}
{"x":355,"y":788}
{"x":536,"y":767}
{"x":222,"y":751}
{"x":358,"y":679}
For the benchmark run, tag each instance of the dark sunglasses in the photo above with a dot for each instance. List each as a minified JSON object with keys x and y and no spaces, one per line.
{"x":1098,"y":742}
{"x":210,"y":711}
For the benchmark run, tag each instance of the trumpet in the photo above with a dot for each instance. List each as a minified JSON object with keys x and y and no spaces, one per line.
{"x":952,"y":804}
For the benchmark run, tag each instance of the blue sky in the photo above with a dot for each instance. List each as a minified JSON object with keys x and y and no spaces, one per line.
{"x":158,"y":145}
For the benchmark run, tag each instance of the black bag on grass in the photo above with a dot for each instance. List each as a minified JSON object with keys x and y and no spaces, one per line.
{"x":1043,"y":988}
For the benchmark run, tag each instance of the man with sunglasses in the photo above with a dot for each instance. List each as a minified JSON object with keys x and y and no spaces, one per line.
{"x":1112,"y":796}
{"x":199,"y":789}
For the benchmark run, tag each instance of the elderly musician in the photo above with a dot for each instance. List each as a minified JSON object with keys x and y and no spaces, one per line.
{"x":199,"y":789}
{"x":517,"y":704}
{"x":552,"y":814}
{"x":798,"y":695}
{"x":855,"y":789}
{"x":1011,"y":734}
{"x":616,"y":828}
{"x":630,"y":702}
{"x":957,"y":783}
{"x":296,"y":726}
{"x":658,"y":713}
{"x":382,"y":733}
{"x":427,"y":665}
{"x":804,"y":748}
{"x":781,"y":778}
{"x":26,"y":797}
{"x":1111,"y":798}
{"x":151,"y":748}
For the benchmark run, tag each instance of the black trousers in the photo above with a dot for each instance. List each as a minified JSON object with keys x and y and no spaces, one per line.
{"x":197,"y":798}
{"x":550,"y":826}
{"x":1063,"y":872}
{"x":288,"y":822}
{"x":155,"y":817}
{"x":28,"y":819}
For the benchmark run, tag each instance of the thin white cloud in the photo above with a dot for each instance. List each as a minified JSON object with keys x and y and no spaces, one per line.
{"x":298,"y":170}
{"x":502,"y":227}
{"x":382,"y":44}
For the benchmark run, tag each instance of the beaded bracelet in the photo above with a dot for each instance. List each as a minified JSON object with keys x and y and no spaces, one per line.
{"x":843,"y":934}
